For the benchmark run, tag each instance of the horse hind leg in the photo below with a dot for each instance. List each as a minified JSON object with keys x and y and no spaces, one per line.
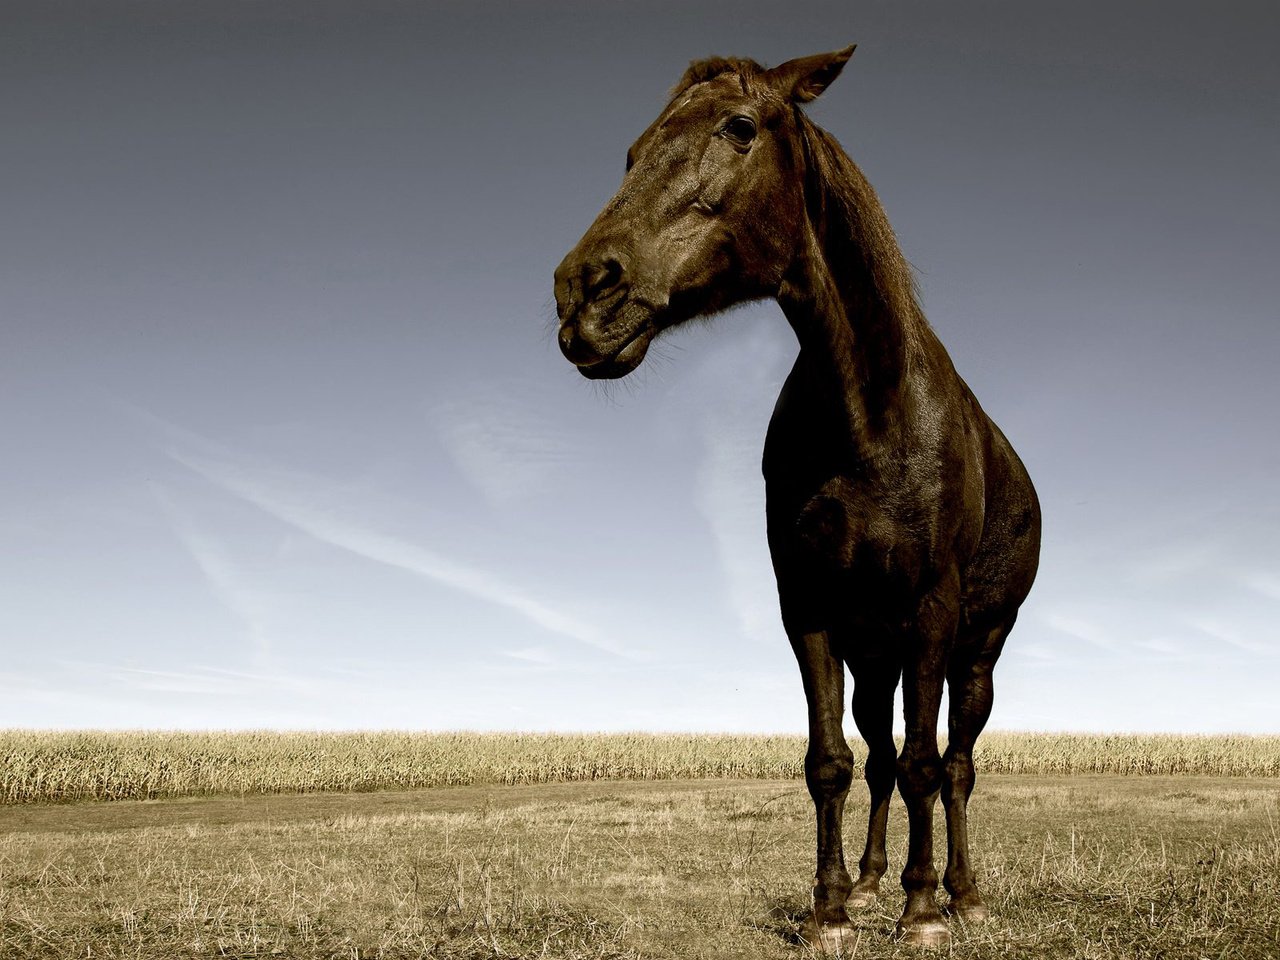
{"x":971,"y":693}
{"x":920,"y":770}
{"x":874,"y":684}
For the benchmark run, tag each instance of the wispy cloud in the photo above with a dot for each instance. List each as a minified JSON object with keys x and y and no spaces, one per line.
{"x":292,"y":498}
{"x":213,"y":681}
{"x":1167,"y":649}
{"x":1041,"y":653}
{"x":1265,"y":583}
{"x":730,"y":491}
{"x":538,"y":655}
{"x":198,"y":696}
{"x":1174,"y":561}
{"x":501,"y":444}
{"x":220,"y":573}
{"x":1228,"y":635}
{"x":171,"y":681}
{"x":1079,"y":628}
{"x":729,"y":497}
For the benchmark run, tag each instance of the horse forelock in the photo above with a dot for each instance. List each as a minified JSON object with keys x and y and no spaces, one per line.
{"x":700,"y":71}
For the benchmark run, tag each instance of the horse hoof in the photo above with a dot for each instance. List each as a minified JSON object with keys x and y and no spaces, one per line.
{"x":924,"y":933}
{"x":861,"y":900}
{"x":827,"y":937}
{"x":968,"y":912}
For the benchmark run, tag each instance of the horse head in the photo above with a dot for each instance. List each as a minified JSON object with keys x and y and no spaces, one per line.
{"x":709,"y":213}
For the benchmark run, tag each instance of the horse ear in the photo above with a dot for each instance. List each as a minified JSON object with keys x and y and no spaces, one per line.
{"x":803,"y":78}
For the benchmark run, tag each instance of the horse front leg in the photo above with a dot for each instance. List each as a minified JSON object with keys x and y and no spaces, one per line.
{"x":828,"y":770}
{"x":927,"y":646}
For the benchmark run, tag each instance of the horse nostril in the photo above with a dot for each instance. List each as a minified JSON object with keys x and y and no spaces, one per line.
{"x":602,"y":277}
{"x":576,"y":350}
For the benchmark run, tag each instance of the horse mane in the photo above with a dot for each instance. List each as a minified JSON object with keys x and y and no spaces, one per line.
{"x":854,"y":230}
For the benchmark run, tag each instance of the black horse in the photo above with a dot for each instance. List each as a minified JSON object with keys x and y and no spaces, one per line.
{"x":904,"y":530}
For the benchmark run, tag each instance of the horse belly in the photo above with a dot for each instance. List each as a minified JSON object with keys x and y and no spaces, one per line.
{"x":998,"y":576}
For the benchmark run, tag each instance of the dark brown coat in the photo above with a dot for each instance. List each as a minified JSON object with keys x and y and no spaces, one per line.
{"x":904,"y":530}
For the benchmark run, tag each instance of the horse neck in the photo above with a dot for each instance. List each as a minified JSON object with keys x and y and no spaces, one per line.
{"x":849,"y":293}
{"x":859,"y":347}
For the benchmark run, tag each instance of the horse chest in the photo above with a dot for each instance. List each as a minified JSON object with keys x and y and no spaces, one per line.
{"x":857,"y":527}
{"x":870,"y":514}
{"x":843,"y":525}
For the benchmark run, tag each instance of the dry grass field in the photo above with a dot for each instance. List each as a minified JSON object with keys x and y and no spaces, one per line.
{"x":1084,"y":865}
{"x":465,"y":845}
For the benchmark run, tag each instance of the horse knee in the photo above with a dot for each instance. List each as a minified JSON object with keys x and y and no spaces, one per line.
{"x":919,"y":774}
{"x":828,"y":774}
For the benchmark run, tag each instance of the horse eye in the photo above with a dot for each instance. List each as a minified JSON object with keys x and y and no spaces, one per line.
{"x":742,"y":129}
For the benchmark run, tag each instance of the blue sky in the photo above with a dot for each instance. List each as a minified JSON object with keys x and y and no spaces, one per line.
{"x":291,"y":445}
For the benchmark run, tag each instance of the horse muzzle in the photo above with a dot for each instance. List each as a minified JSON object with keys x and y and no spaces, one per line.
{"x":605,"y":327}
{"x":609,"y":352}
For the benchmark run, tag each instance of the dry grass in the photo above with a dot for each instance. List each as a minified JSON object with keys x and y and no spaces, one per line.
{"x":1083,"y":867}
{"x":95,"y":765}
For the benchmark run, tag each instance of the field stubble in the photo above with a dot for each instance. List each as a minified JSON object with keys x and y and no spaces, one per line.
{"x":1084,"y":867}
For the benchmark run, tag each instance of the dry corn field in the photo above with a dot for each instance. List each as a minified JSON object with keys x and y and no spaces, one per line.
{"x":97,"y":765}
